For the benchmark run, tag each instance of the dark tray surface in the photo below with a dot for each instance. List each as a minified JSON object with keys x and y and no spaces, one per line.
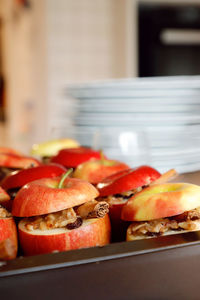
{"x":84,"y":256}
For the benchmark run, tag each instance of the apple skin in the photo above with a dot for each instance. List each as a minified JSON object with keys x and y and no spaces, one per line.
{"x":95,"y":170}
{"x":17,"y":161}
{"x":19,"y":178}
{"x":119,"y":226}
{"x":8,"y":230}
{"x":160,"y":201}
{"x":73,"y":157}
{"x":43,"y":196}
{"x":5,"y":199}
{"x":96,"y":232}
{"x":127,"y":180}
{"x":50,"y":148}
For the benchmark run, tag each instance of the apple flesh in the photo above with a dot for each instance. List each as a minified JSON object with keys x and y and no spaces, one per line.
{"x":96,"y":170}
{"x":160,"y":201}
{"x":93,"y":232}
{"x":50,"y":148}
{"x":43,"y":196}
{"x":8,"y":232}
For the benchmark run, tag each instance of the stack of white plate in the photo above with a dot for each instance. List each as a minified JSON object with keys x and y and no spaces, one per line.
{"x":143,"y":120}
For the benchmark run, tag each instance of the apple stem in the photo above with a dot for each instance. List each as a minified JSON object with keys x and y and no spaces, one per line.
{"x":64,"y":176}
{"x":102,"y":156}
{"x":105,"y":161}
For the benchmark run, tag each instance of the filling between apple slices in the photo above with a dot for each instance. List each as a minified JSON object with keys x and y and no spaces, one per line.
{"x":4,"y":213}
{"x":123,"y":197}
{"x":70,"y":218}
{"x":189,"y":220}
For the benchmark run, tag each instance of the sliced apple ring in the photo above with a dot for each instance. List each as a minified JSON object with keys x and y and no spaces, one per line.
{"x":160,"y":201}
{"x":92,"y":232}
{"x":43,"y":196}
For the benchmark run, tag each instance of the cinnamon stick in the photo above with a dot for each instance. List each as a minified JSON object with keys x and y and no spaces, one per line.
{"x":165,"y":177}
{"x":93,"y":209}
{"x":100,"y":210}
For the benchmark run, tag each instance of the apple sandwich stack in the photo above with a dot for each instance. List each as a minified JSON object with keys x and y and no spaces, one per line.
{"x":60,"y":214}
{"x":163,"y":209}
{"x":8,"y":231}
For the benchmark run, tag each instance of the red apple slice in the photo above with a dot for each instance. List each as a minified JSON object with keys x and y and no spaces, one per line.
{"x":93,"y":232}
{"x":161,"y":200}
{"x":75,"y":156}
{"x":17,"y":162}
{"x":8,"y":232}
{"x":19,"y":178}
{"x":43,"y":196}
{"x":96,"y":170}
{"x":127,"y":180}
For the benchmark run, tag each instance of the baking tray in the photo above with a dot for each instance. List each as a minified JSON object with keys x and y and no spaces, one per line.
{"x":145,"y":269}
{"x":57,"y":260}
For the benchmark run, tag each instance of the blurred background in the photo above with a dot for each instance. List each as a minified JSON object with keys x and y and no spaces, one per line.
{"x":47,"y":44}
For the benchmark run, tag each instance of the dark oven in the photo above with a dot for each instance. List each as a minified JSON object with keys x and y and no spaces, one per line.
{"x":169,"y":39}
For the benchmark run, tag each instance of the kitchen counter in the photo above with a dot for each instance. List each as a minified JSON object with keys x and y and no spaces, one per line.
{"x":193,"y":177}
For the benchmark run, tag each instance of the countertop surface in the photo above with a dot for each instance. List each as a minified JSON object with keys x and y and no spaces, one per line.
{"x":193,"y":177}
